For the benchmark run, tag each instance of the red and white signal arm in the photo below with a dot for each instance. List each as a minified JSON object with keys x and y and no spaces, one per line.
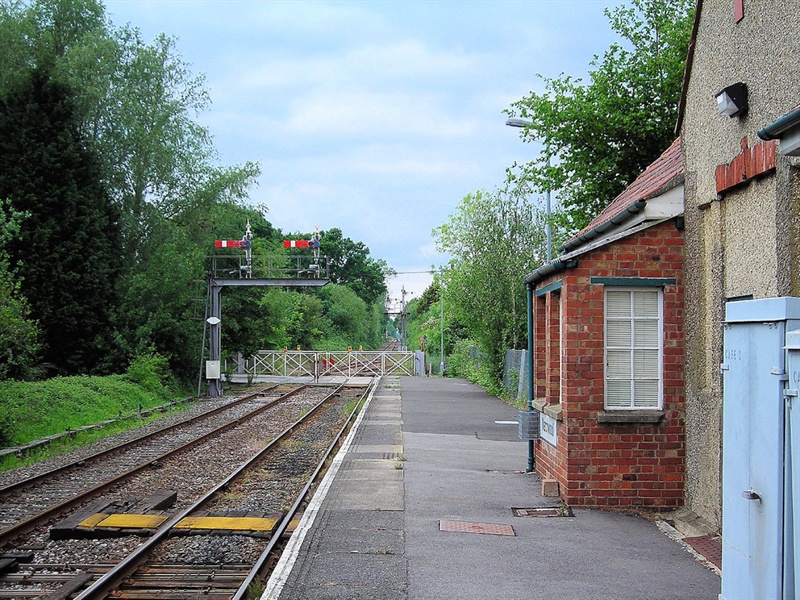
{"x":301,"y":243}
{"x":232,"y":243}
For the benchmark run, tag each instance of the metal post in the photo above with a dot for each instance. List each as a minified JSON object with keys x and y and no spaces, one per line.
{"x":441,"y":306}
{"x":523,"y":123}
{"x":215,"y":336}
{"x":531,"y":449}
{"x":547,"y":229}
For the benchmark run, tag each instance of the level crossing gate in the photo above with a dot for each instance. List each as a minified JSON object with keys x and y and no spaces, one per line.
{"x":304,"y":363}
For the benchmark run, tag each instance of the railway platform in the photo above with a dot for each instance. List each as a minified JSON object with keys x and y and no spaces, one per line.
{"x":419,"y":504}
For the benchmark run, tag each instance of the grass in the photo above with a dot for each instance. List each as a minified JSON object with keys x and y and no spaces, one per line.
{"x":256,"y":589}
{"x":33,"y":410}
{"x":83,"y":438}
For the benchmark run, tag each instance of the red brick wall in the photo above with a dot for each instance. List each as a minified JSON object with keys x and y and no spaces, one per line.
{"x":619,"y":465}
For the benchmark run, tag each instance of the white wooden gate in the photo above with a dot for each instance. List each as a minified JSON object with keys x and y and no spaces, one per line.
{"x":303,"y":363}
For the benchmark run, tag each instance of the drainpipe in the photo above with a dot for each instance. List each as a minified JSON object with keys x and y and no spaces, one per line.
{"x":531,"y":456}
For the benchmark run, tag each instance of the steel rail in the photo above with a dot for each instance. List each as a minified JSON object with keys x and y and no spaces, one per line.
{"x":259,"y":567}
{"x":31,"y":523}
{"x":111,"y":580}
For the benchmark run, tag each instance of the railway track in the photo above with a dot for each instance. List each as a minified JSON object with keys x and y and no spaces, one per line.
{"x":27,"y":502}
{"x":216,"y":550}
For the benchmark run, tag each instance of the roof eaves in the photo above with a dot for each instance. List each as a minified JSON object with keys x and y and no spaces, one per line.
{"x":554,"y":266}
{"x":622,"y":216}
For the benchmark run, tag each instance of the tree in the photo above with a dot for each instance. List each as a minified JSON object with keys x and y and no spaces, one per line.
{"x":134,"y":107}
{"x":19,"y":335}
{"x":69,"y":244}
{"x":350,"y":264}
{"x":494,"y":239}
{"x":603,"y":134}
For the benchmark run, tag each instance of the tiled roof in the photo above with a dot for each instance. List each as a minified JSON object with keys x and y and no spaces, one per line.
{"x":657,"y":178}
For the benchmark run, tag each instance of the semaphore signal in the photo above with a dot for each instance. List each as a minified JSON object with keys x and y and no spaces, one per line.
{"x":313,"y":243}
{"x":246,"y":244}
{"x":301,"y":243}
{"x":232,"y":243}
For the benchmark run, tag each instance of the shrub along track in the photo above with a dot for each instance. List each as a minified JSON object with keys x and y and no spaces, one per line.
{"x":72,"y":563}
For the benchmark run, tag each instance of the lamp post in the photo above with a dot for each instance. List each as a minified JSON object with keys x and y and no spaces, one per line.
{"x":529,"y":296}
{"x":441,"y":321}
{"x":522,"y":123}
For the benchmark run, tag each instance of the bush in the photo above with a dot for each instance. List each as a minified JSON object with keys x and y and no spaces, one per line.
{"x":151,"y":372}
{"x":6,"y":430}
{"x":467,"y":362}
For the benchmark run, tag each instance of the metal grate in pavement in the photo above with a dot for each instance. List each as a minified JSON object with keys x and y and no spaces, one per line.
{"x":547,"y":511}
{"x":710,"y":548}
{"x":467,"y":527}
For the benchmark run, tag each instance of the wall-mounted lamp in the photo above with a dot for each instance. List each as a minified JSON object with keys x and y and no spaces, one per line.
{"x":732,"y":101}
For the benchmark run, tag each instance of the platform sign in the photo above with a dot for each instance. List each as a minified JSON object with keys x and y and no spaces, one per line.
{"x":548,"y":428}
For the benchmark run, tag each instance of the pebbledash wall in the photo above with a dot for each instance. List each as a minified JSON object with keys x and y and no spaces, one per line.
{"x":610,"y":458}
{"x":741,"y":207}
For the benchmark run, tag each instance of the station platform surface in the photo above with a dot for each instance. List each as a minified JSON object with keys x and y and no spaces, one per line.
{"x":418,"y":505}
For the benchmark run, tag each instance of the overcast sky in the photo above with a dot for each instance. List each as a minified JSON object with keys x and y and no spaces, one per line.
{"x":376,"y":117}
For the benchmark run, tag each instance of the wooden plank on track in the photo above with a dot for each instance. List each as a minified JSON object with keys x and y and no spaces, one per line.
{"x":126,"y":594}
{"x":73,"y":585}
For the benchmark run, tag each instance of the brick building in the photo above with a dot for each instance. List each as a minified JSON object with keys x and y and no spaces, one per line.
{"x":608,"y":348}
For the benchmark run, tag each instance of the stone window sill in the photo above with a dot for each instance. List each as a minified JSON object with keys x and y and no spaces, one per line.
{"x":630,"y":416}
{"x":551,"y":410}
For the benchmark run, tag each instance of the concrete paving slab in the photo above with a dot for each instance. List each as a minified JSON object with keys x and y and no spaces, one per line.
{"x":463,"y":462}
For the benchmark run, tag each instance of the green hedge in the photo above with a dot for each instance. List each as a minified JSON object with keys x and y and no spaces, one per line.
{"x":32,"y":410}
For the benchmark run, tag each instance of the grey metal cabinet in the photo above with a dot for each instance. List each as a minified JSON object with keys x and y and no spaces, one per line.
{"x":757,"y":489}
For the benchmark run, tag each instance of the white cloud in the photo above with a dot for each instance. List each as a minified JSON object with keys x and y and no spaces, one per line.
{"x":376,"y":117}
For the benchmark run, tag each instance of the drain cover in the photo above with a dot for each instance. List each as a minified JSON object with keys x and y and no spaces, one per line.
{"x":710,"y":548}
{"x":543,"y":511}
{"x":467,"y":527}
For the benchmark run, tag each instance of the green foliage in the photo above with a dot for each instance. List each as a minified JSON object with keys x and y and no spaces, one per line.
{"x":494,"y":239}
{"x":42,"y":408}
{"x":151,"y":372}
{"x":69,"y":242}
{"x":467,"y":362}
{"x":429,"y":297}
{"x":604,"y":133}
{"x":346,"y":312}
{"x":19,"y":334}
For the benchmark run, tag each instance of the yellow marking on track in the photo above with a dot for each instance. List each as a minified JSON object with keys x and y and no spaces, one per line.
{"x":132,"y":521}
{"x":93,"y":520}
{"x":292,"y":525}
{"x":232,"y":523}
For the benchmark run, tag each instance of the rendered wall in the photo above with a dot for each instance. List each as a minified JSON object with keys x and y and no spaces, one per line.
{"x":743,"y":242}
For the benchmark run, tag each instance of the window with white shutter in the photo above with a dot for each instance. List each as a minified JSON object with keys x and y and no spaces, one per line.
{"x":633,"y":348}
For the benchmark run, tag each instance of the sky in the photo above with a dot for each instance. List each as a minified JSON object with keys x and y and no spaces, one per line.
{"x":373,"y":116}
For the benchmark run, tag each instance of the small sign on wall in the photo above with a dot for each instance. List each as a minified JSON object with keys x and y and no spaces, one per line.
{"x":548,"y":429}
